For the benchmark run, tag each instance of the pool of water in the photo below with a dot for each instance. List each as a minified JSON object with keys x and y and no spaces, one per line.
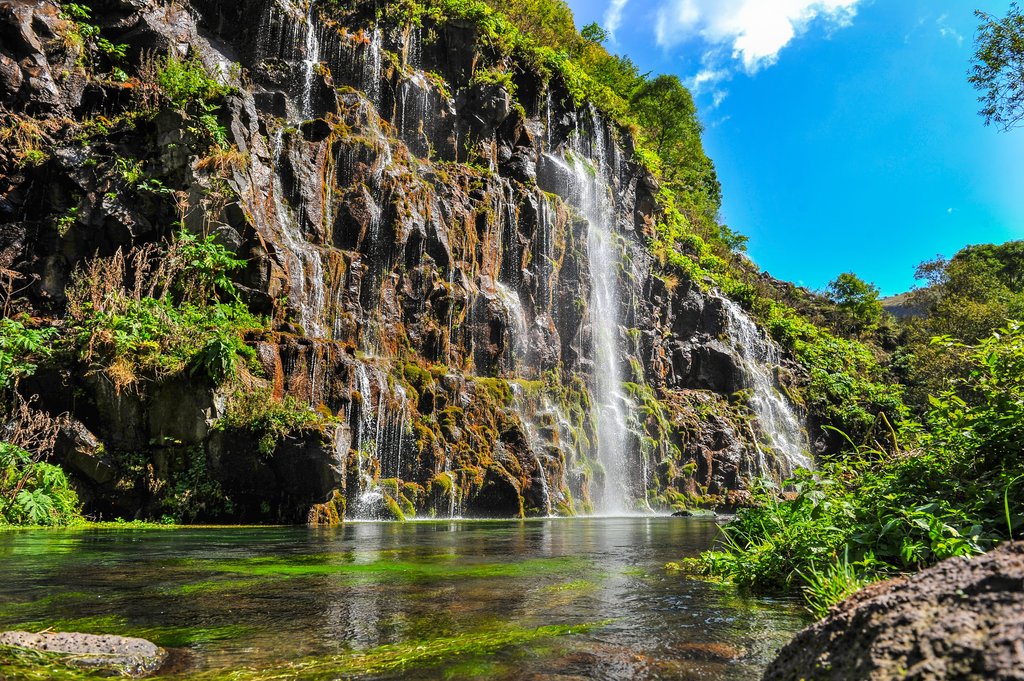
{"x":562,"y":599}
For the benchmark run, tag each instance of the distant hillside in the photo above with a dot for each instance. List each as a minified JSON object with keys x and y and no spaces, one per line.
{"x":904,"y":306}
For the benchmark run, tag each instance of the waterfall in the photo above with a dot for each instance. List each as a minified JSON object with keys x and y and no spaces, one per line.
{"x":534,"y":442}
{"x":759,"y":357}
{"x":312,"y":61}
{"x":383,"y":425}
{"x":372,"y":68}
{"x":518,"y":331}
{"x":592,"y":192}
{"x":306,"y":270}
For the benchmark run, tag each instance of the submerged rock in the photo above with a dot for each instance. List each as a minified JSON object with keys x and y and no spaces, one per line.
{"x":958,"y":620}
{"x":134,"y":657}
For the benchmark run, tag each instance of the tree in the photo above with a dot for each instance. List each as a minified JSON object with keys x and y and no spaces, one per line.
{"x":998,"y":68}
{"x":593,"y":33}
{"x":857,"y":298}
{"x":665,"y":110}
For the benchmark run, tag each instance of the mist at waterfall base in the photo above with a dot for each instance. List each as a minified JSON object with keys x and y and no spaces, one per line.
{"x":402,"y":601}
{"x":382,"y":422}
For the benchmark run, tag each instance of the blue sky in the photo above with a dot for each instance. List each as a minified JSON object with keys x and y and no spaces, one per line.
{"x":844,"y":131}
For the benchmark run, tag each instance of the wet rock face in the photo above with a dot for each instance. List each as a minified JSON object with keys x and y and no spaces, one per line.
{"x":959,"y":620}
{"x":414,"y":229}
{"x":116,"y":655}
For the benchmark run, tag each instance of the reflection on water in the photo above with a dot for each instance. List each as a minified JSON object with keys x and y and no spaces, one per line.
{"x":425,"y":600}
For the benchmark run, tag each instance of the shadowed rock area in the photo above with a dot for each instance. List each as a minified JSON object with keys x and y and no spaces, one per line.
{"x":958,"y":620}
{"x":134,"y":657}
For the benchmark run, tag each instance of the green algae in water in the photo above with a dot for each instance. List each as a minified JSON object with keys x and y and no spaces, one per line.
{"x":401,"y":570}
{"x":575,"y":586}
{"x":405,"y":656}
{"x":33,"y":665}
{"x":375,"y":600}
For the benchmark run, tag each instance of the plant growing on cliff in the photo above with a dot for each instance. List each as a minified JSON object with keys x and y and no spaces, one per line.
{"x":32,"y":490}
{"x":21,"y":348}
{"x":189,"y":87}
{"x":155,"y":313}
{"x":258,"y":411}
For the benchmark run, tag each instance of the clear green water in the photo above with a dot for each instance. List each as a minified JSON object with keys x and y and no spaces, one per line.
{"x":562,"y":599}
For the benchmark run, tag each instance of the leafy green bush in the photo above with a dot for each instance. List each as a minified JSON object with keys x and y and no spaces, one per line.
{"x":138,"y":329}
{"x":21,"y":347}
{"x":33,"y":492}
{"x":259,"y":412}
{"x":157,"y":338}
{"x":188,"y":87}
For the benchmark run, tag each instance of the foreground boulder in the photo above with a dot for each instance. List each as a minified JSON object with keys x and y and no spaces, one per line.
{"x":958,"y":620}
{"x":116,"y":655}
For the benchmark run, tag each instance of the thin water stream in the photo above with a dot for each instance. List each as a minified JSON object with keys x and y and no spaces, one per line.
{"x":546,"y":599}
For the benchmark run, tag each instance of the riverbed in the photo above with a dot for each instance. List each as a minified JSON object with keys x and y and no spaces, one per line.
{"x":564,"y":599}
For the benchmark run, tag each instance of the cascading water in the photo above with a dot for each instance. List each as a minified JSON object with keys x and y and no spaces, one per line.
{"x":383,"y":427}
{"x":759,"y":357}
{"x":519,"y":404}
{"x":312,"y":61}
{"x":591,"y":191}
{"x":519,"y":330}
{"x":306,"y":270}
{"x":372,"y":67}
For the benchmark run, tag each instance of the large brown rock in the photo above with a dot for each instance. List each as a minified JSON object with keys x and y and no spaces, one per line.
{"x":959,"y":620}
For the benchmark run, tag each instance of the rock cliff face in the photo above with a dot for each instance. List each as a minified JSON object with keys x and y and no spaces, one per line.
{"x":452,"y":254}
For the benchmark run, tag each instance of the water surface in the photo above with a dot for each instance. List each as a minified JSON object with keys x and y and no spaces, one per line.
{"x":562,"y":599}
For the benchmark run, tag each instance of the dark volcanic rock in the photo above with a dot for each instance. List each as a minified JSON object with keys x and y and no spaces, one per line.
{"x":413,"y":233}
{"x":133,"y":657}
{"x":959,"y":620}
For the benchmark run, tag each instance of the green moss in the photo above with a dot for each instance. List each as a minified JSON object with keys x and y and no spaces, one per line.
{"x":410,"y":654}
{"x":394,"y":509}
{"x":407,"y":506}
{"x":395,"y":570}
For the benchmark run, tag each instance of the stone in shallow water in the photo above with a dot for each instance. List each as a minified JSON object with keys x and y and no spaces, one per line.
{"x":135,"y":657}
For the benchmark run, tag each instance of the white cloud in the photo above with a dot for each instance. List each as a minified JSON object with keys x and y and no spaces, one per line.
{"x":613,"y":16}
{"x":754,"y":30}
{"x":709,"y":80}
{"x":706,"y":79}
{"x":947,"y":31}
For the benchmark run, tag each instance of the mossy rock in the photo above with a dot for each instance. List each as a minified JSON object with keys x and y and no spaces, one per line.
{"x":329,"y":513}
{"x":392,"y":510}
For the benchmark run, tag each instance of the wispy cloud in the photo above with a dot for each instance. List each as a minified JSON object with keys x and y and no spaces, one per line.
{"x":613,"y":16}
{"x":753,"y":31}
{"x":947,"y":31}
{"x":710,"y":80}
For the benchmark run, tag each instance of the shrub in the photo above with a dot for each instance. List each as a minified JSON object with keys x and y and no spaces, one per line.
{"x":271,"y":419}
{"x":21,"y":347}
